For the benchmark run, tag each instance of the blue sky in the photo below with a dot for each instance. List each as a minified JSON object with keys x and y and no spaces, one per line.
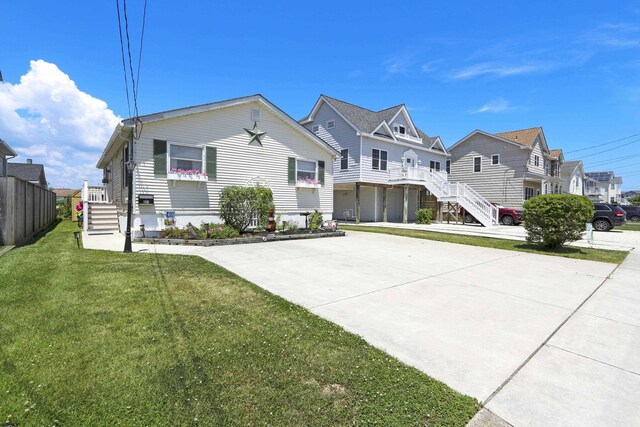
{"x":571,"y":67}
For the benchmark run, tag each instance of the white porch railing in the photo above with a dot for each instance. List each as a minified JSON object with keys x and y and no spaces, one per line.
{"x":91,"y":194}
{"x":438,"y":184}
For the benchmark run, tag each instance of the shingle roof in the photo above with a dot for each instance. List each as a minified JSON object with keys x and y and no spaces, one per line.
{"x":367,"y":120}
{"x":524,"y":137}
{"x":600,"y":176}
{"x":571,"y":164}
{"x":555,"y":153}
{"x":6,"y":150}
{"x":26,"y":171}
{"x":64,"y":192}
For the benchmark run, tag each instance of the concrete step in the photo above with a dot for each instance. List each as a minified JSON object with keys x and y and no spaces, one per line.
{"x":103,"y":222}
{"x":103,"y":227}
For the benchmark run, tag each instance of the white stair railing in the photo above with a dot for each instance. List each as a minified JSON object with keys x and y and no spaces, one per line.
{"x":437,"y":183}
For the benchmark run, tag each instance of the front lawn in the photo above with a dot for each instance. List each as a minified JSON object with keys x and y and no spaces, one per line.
{"x":629,"y":226}
{"x":603,"y":255}
{"x":104,"y":338}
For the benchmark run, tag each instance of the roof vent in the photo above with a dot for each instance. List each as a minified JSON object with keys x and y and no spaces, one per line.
{"x":29,"y":161}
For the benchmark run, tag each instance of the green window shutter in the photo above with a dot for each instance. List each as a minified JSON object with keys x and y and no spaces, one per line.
{"x":292,"y":170}
{"x":159,"y":157}
{"x":212,"y":163}
{"x":321,"y":171}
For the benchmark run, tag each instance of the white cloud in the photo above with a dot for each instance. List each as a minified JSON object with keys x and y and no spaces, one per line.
{"x":499,"y":105}
{"x":493,"y":69}
{"x":616,"y":36}
{"x":398,"y":64}
{"x":46,"y":117}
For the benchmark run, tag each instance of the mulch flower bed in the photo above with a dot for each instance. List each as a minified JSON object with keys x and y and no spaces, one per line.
{"x":245,"y":238}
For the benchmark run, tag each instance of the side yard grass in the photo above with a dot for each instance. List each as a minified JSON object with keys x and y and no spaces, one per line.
{"x":103,"y":338}
{"x":630,"y":226}
{"x":603,"y":255}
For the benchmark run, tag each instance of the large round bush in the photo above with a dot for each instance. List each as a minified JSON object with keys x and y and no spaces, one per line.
{"x":555,"y":219}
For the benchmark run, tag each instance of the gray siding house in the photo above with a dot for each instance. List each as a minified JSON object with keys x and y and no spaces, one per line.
{"x":5,"y":152}
{"x":372,"y":146}
{"x":506,"y":168}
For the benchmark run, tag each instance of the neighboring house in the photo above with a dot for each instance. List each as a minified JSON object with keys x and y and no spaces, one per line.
{"x":64,"y":193}
{"x":5,"y":152}
{"x":31,"y":172}
{"x":507,"y":168}
{"x":603,"y":187}
{"x":245,"y":141}
{"x":376,"y":148}
{"x":572,"y":173}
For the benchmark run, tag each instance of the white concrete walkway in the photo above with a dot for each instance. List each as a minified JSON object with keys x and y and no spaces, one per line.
{"x":542,"y":340}
{"x":615,"y":239}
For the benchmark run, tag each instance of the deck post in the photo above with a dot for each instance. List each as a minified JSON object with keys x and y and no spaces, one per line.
{"x":357,"y":203}
{"x":85,"y":206}
{"x":405,"y":204}
{"x":384,"y":204}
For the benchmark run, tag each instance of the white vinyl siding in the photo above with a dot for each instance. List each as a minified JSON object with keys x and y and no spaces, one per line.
{"x":340,"y":136}
{"x":238,"y":163}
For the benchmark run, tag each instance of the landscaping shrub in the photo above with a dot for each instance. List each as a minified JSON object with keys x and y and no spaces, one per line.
{"x":315,"y":220}
{"x":635,"y":200}
{"x":218,"y":231}
{"x":175,"y":233}
{"x":64,"y":208}
{"x":423,"y":216}
{"x":239,"y":205}
{"x":552,"y":220}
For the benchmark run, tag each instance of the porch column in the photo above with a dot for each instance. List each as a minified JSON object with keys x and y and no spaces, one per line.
{"x":357,"y":203}
{"x":405,"y":204}
{"x":384,"y":204}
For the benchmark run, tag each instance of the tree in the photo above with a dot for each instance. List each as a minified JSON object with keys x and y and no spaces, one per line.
{"x":552,"y":220}
{"x":635,"y":200}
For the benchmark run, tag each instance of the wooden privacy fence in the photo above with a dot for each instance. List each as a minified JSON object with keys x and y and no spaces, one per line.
{"x":25,"y":210}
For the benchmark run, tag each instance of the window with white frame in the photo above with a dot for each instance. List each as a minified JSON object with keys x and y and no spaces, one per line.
{"x":536,"y":160}
{"x":432,"y":164}
{"x":495,"y":159}
{"x":331,"y":124}
{"x":305,"y":170}
{"x":438,"y":166}
{"x":378,"y":159}
{"x":448,"y":166}
{"x":344,"y":159}
{"x":315,"y":128}
{"x":182,"y":157}
{"x":400,"y":129}
{"x":477,"y":164}
{"x":529,"y":192}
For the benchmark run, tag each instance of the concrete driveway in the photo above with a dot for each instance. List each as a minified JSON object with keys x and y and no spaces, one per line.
{"x":540,"y":340}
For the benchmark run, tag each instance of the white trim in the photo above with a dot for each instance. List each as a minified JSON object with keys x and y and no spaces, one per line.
{"x":380,"y":150}
{"x":385,"y":125}
{"x":473,"y":165}
{"x":408,"y":117}
{"x":404,"y":144}
{"x":495,"y":164}
{"x":439,"y":142}
{"x":315,"y":108}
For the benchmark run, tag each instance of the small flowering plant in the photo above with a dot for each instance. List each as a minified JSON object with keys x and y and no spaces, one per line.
{"x":188,"y":172}
{"x":308,"y":181}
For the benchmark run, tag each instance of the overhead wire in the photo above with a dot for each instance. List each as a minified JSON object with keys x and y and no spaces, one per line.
{"x":602,"y":144}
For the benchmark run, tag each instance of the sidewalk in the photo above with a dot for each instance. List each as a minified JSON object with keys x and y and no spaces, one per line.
{"x":612,"y":240}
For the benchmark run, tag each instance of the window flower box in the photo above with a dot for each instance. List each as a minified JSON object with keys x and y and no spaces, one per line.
{"x":308,"y":183}
{"x":187,"y":175}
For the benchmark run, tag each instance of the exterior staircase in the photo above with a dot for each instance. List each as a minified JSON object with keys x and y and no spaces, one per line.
{"x":102,"y":218}
{"x":457,"y":192}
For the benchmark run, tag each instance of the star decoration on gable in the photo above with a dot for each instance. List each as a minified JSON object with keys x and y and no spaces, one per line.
{"x":255,"y":134}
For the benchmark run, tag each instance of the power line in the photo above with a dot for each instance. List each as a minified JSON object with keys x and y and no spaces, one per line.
{"x":124,"y":66}
{"x":613,"y":160}
{"x":603,"y":144}
{"x":611,"y":149}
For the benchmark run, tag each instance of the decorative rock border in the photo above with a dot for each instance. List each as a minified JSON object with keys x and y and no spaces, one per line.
{"x":239,"y":240}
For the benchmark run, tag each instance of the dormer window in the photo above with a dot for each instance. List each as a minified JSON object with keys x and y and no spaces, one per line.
{"x":400,"y":129}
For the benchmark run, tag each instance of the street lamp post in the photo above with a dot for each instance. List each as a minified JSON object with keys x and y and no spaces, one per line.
{"x":131,"y":165}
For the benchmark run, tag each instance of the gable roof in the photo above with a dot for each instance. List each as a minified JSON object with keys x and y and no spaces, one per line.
{"x":555,"y":153}
{"x":525,"y":137}
{"x":368,"y":121}
{"x":125,"y":126}
{"x":5,"y":150}
{"x":570,"y":166}
{"x":27,"y":172}
{"x":490,"y":135}
{"x":65,"y":192}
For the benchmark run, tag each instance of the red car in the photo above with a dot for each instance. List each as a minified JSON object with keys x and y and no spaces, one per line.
{"x":506,"y":216}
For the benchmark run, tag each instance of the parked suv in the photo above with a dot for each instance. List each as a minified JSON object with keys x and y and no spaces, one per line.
{"x":607,"y":216}
{"x":506,"y":216}
{"x":633,"y":212}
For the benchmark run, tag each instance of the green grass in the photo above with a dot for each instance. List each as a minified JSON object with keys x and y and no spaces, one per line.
{"x":103,"y":338}
{"x":615,"y":257}
{"x":629,"y":226}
